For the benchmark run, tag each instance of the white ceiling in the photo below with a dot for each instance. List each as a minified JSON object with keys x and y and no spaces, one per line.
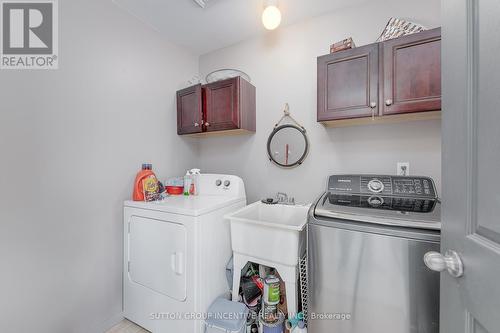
{"x":222,"y":22}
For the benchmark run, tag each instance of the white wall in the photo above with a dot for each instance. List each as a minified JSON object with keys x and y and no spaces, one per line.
{"x":282,"y":66}
{"x":71,"y":141}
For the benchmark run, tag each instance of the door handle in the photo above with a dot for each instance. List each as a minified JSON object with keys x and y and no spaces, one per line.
{"x":388,"y":102}
{"x":177,"y":262}
{"x":450,"y":261}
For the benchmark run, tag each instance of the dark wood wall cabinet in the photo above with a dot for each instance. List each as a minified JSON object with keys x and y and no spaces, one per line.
{"x":223,"y":107}
{"x":395,"y":80}
{"x":348,"y":83}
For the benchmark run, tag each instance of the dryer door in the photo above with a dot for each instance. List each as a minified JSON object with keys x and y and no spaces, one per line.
{"x":156,"y":256}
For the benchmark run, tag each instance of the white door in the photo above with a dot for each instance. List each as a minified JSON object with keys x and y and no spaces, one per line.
{"x":470,"y":247}
{"x":156,"y":256}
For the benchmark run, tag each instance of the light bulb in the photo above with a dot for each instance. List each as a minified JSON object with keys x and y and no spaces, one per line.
{"x":271,"y":17}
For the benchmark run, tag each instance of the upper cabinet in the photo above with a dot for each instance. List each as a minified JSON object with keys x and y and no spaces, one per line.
{"x":399,"y":79}
{"x":226,"y":106}
{"x":412,"y":73}
{"x":348,"y":83}
{"x":189,"y":110}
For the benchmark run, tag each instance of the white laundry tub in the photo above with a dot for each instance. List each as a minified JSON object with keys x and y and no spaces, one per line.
{"x":271,"y":232}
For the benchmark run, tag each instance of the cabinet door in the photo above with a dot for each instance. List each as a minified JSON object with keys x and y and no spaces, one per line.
{"x":189,"y":110}
{"x":348,"y":84}
{"x":221,"y":105}
{"x":412,"y":73}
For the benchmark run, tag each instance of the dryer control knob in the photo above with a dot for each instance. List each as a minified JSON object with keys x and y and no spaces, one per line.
{"x":218,"y":182}
{"x":227,"y":183}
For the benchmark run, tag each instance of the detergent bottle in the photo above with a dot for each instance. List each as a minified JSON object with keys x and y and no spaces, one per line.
{"x":145,"y":185}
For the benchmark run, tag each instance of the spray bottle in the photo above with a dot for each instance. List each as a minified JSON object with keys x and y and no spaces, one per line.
{"x":188,"y":181}
{"x":195,"y":173}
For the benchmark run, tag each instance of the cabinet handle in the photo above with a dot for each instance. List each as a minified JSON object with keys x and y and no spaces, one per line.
{"x":388,"y":102}
{"x":196,"y":124}
{"x":207,"y":124}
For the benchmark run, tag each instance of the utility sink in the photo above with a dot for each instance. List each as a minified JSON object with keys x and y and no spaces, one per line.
{"x":273,"y":233}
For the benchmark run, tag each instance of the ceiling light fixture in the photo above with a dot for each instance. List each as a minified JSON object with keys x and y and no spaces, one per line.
{"x":271,"y":16}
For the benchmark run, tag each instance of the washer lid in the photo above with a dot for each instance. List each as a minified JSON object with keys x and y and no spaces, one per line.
{"x":187,"y":205}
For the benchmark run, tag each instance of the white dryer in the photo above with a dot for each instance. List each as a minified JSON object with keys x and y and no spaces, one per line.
{"x":175,"y":253}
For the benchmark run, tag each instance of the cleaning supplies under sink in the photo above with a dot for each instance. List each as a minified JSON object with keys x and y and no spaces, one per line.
{"x":272,"y":327}
{"x":294,"y":322}
{"x":299,"y":329}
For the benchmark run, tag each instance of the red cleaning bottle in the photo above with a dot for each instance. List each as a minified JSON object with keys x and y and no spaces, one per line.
{"x":145,"y":173}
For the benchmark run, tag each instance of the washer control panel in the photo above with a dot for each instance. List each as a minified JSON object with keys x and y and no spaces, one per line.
{"x":384,"y":185}
{"x":414,"y":186}
{"x":406,"y":204}
{"x":376,"y":186}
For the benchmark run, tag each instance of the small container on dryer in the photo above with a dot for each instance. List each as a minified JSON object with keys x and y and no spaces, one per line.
{"x":175,"y":190}
{"x":175,"y":186}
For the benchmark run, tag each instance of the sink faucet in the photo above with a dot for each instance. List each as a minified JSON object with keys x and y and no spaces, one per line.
{"x":284,"y":199}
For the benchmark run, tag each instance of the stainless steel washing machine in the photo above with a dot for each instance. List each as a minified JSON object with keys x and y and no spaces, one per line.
{"x":367,"y":235}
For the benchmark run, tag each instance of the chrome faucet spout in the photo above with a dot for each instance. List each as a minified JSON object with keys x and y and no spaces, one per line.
{"x":284,"y":199}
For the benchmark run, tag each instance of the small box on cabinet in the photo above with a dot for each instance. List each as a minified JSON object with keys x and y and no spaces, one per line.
{"x":345,"y":44}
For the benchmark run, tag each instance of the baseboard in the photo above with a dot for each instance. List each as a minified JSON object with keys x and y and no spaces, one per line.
{"x":105,"y":325}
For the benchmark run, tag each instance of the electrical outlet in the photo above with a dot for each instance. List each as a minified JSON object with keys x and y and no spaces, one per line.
{"x":403,"y":169}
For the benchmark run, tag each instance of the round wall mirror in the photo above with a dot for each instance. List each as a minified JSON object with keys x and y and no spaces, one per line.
{"x":287,"y":145}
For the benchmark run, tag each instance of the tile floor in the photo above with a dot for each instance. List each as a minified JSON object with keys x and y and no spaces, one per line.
{"x":126,"y":326}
